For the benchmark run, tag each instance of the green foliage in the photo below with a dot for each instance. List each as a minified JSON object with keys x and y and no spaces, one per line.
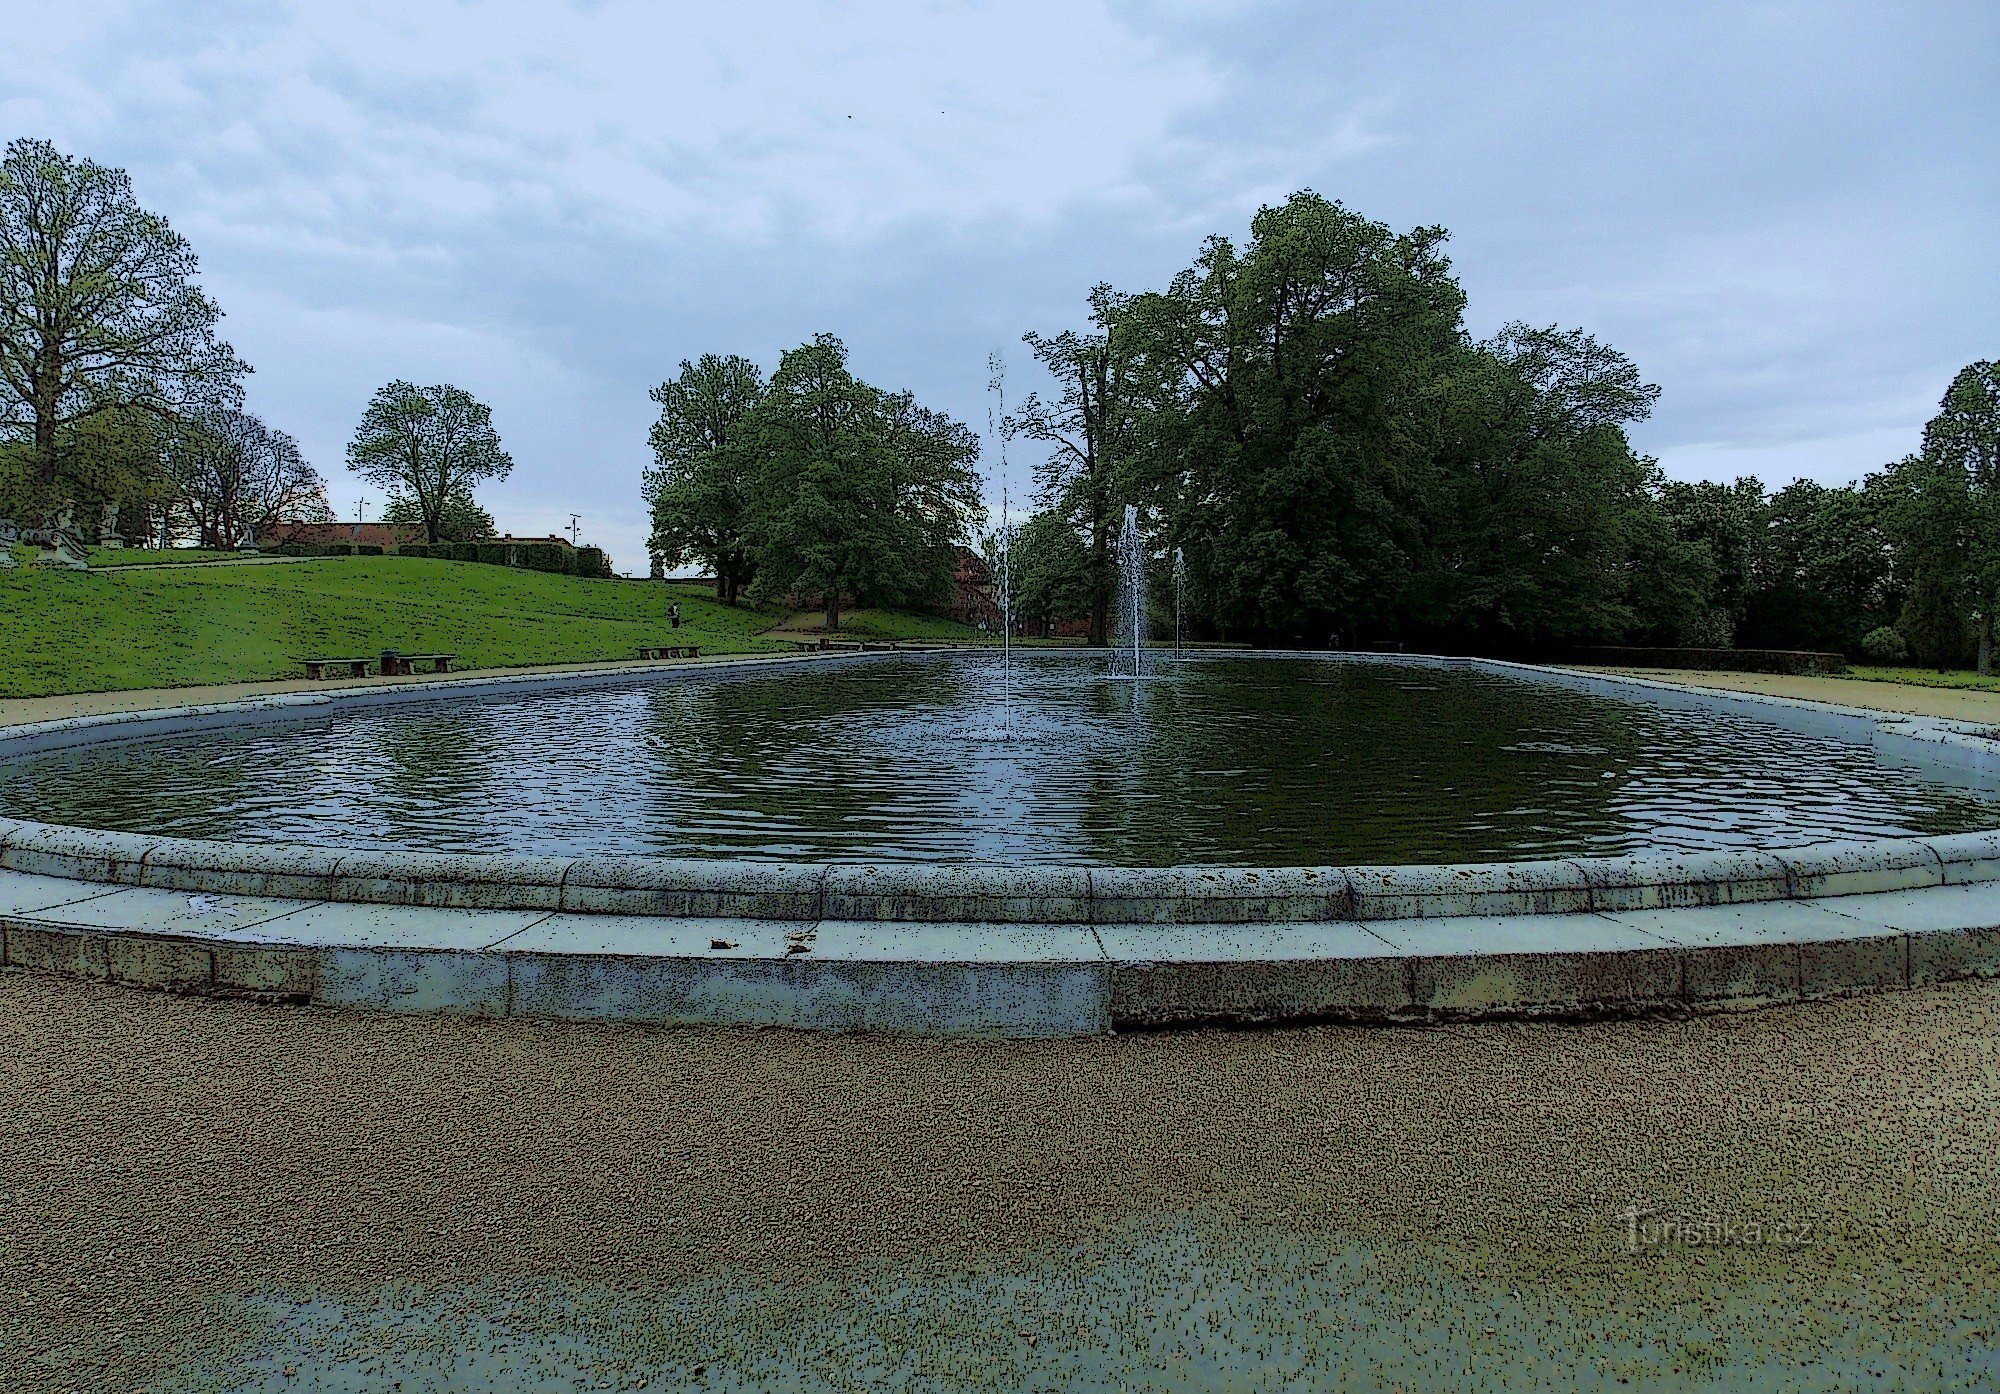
{"x":698,"y":488}
{"x":856,"y":491}
{"x":429,"y":448}
{"x":1050,"y":567}
{"x":1884,"y":645}
{"x":593,"y":563}
{"x":1093,"y":428}
{"x":218,"y":624}
{"x":101,"y":313}
{"x":461,"y":520}
{"x":545,"y":556}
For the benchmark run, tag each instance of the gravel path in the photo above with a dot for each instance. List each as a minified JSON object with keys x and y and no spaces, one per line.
{"x":1908,"y":699}
{"x":162,"y":1157}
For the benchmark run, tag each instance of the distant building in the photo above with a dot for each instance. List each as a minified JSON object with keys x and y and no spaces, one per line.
{"x":383,"y":535}
{"x":387,"y":536}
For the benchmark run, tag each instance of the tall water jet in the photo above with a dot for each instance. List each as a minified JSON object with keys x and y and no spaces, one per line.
{"x":1130,"y":626}
{"x":1180,"y":584}
{"x":996,"y":383}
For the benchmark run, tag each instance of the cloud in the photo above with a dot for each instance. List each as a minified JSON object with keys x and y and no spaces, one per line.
{"x":1781,"y":211}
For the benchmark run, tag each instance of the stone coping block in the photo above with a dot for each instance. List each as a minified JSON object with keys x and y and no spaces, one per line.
{"x":972,"y":891}
{"x":489,"y":882}
{"x":1967,"y":857}
{"x":615,"y":885}
{"x":1219,"y":894}
{"x":81,"y":854}
{"x":1655,"y":881}
{"x":189,"y":864}
{"x":1497,"y":888}
{"x":1853,"y":868}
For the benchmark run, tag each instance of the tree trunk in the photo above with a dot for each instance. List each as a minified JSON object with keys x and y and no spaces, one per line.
{"x":832,"y":608}
{"x":1986,"y":644}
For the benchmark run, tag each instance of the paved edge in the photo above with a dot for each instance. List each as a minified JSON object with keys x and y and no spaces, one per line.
{"x":1014,"y":981}
{"x":1037,"y":951}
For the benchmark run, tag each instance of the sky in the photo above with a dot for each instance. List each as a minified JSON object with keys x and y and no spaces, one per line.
{"x":1784,"y":213}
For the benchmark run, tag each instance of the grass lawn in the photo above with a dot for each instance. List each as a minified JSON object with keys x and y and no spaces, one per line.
{"x":899,"y":624}
{"x":172,"y":556}
{"x":105,"y":631}
{"x":1926,"y":677}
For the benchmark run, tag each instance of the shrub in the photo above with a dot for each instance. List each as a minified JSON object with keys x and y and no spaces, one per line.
{"x":1884,"y":645}
{"x":593,"y":562}
{"x":493,"y":553}
{"x":367,"y":549}
{"x":459,"y":551}
{"x":547,"y":556}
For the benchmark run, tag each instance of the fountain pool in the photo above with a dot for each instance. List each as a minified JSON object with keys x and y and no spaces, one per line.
{"x":1221,"y":760}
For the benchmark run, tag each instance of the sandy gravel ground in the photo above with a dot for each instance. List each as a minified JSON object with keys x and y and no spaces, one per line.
{"x":161,"y":1158}
{"x":1951,"y":704}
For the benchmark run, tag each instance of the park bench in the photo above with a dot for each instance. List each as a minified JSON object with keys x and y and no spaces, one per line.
{"x":316,"y":668}
{"x":403,"y":664}
{"x":659,"y":651}
{"x":819,"y":645}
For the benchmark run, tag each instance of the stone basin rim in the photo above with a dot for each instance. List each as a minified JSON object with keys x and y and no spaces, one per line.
{"x":999,"y":892}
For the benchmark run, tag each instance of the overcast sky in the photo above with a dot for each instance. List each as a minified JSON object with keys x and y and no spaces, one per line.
{"x":1785,"y":213}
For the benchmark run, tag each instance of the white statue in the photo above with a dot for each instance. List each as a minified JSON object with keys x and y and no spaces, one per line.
{"x":107,"y":527}
{"x":249,"y":542}
{"x":63,"y":547}
{"x":9,"y":535}
{"x":659,"y":572}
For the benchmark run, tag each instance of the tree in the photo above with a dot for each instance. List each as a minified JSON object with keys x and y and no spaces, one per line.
{"x":1049,"y":567}
{"x":462,"y":520}
{"x":430,"y":446}
{"x":1091,"y":426}
{"x":853,"y":490}
{"x":232,"y":475}
{"x":98,"y":309}
{"x":699,"y":484}
{"x":1963,"y":442}
{"x":1270,"y":448}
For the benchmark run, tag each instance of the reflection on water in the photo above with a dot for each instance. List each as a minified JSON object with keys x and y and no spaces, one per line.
{"x":1221,"y":761}
{"x":1191,"y":1305}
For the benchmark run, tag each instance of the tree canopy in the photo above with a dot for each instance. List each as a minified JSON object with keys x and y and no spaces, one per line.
{"x":99,"y":312}
{"x":233,"y":477}
{"x":429,"y":447}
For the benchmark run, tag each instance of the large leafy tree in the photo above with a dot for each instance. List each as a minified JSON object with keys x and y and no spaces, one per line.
{"x":1272,"y":373}
{"x":854,"y":490}
{"x":1092,"y":427}
{"x":98,"y":308}
{"x":233,"y":476}
{"x":430,"y":446}
{"x":1524,"y":489}
{"x":1962,"y":445}
{"x":698,"y":487}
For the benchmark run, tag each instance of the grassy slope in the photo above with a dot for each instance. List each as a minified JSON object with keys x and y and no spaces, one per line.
{"x":106,"y":631}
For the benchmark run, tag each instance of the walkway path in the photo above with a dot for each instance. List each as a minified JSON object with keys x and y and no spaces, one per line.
{"x":19,"y":711}
{"x":1946,"y":703}
{"x":166,"y":1157}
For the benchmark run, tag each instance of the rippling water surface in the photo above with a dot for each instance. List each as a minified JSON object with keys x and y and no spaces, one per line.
{"x":1219,"y":760}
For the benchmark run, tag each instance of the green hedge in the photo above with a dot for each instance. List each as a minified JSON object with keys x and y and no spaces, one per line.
{"x":593,"y":562}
